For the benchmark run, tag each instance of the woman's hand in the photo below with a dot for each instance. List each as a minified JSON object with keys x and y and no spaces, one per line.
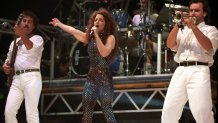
{"x":55,"y":22}
{"x":95,"y":30}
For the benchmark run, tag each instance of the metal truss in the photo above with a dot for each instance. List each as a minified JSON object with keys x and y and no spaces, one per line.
{"x":125,"y":101}
{"x":77,"y":4}
{"x":84,"y":8}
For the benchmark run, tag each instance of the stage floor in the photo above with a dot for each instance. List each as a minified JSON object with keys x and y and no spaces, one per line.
{"x":138,"y":98}
{"x":119,"y":82}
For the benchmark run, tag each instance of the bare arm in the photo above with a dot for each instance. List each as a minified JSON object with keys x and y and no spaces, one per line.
{"x":79,"y":35}
{"x":104,"y":49}
{"x":171,"y":40}
{"x":202,"y":39}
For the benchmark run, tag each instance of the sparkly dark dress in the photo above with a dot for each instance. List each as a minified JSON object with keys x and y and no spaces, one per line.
{"x":98,"y":86}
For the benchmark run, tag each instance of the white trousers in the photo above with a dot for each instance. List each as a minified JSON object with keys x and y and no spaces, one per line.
{"x":26,"y":86}
{"x":191,"y":84}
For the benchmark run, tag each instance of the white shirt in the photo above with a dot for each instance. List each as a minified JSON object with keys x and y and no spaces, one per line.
{"x":27,"y":59}
{"x":189,"y":49}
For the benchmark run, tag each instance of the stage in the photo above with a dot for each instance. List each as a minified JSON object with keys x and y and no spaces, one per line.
{"x":136,"y":92}
{"x":137,"y":98}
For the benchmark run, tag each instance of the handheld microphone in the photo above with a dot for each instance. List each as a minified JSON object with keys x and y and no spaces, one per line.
{"x":91,"y":34}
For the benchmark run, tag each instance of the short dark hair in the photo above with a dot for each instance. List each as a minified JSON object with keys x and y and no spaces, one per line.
{"x":34,"y":17}
{"x":206,"y":8}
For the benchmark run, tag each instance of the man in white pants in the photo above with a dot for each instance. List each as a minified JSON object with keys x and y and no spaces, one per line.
{"x":27,"y":80}
{"x":195,"y":45}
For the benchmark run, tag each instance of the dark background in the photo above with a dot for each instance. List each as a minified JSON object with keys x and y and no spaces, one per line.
{"x":47,"y":9}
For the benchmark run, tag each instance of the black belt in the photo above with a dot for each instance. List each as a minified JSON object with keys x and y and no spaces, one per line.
{"x":18,"y":72}
{"x":190,"y":63}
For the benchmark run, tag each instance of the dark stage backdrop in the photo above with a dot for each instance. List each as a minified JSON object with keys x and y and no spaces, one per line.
{"x":46,"y":9}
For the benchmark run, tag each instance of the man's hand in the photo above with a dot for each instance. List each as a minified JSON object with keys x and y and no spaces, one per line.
{"x":6,"y":68}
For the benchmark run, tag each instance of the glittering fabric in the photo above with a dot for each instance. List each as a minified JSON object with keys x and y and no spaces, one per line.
{"x":98,"y":86}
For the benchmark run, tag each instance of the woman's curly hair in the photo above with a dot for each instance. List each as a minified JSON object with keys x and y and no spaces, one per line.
{"x":109,"y":29}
